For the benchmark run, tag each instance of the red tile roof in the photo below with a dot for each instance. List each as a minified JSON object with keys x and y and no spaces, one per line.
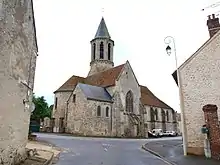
{"x":148,"y":98}
{"x":107,"y":78}
{"x":103,"y":79}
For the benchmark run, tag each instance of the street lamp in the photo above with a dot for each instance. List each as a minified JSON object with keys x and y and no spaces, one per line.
{"x":168,"y":40}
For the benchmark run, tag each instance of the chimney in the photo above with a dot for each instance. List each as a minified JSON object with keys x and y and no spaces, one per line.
{"x":213,"y":25}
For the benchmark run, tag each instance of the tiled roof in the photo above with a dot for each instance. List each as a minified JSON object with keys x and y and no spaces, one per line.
{"x":103,"y":79}
{"x":148,"y":98}
{"x":95,"y":92}
{"x":106,"y":78}
{"x":71,"y":83}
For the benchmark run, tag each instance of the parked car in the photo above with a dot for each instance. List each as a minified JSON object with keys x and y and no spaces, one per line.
{"x":156,"y":133}
{"x":170,"y":133}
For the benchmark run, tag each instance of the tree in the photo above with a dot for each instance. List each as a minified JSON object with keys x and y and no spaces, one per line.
{"x":42,"y":109}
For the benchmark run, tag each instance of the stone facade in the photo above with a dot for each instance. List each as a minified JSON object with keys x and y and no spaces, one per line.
{"x":83,"y":118}
{"x":59,"y":109}
{"x":200,"y":77}
{"x":18,"y":51}
{"x":76,"y":113}
{"x":159,"y":118}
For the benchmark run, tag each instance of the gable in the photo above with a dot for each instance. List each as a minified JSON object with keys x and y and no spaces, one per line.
{"x":103,"y":79}
{"x":130,"y":68}
{"x":148,"y":98}
{"x":205,"y":45}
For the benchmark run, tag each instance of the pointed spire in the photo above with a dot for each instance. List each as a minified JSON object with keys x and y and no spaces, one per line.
{"x":102,"y":31}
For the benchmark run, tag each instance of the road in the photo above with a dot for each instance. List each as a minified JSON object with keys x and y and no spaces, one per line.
{"x":102,"y":151}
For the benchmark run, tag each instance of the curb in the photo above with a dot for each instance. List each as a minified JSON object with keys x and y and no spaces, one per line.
{"x":158,"y":155}
{"x":49,"y":161}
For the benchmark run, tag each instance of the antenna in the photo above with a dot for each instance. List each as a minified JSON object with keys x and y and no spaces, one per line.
{"x":214,"y":5}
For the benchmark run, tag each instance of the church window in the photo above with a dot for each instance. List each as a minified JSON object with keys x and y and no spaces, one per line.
{"x":98,"y":111}
{"x":109,"y":51}
{"x":107,"y":112}
{"x":152,"y":116}
{"x":56,"y":103}
{"x":74,"y":98}
{"x":167,"y":114}
{"x":174,"y":115}
{"x":156,"y":114}
{"x":129,"y":102}
{"x":101,"y":50}
{"x":94,"y":49}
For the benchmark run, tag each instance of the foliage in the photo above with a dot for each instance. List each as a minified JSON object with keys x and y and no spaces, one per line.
{"x":42,"y":109}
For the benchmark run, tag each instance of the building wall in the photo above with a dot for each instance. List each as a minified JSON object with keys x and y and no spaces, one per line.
{"x":83,"y":119}
{"x":157,"y":124}
{"x":127,"y":82}
{"x":59,"y":109}
{"x":18,"y":50}
{"x":200,"y":85}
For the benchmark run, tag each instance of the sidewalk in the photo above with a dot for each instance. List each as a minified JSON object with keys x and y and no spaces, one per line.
{"x":40,"y":153}
{"x":172,"y":152}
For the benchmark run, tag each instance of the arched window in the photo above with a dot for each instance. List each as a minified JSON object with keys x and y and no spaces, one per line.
{"x":109,"y":51}
{"x":163,"y":115}
{"x":156,"y":114}
{"x":174,"y":115}
{"x":167,"y":114}
{"x":94,"y":50}
{"x":152,"y":116}
{"x":107,"y":111}
{"x":129,"y":102}
{"x":101,"y":50}
{"x":98,"y":111}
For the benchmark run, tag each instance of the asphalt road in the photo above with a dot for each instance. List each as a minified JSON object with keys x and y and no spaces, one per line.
{"x":102,"y":151}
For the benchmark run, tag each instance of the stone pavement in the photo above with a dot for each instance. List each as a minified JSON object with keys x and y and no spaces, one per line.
{"x":41,"y":153}
{"x":172,"y":152}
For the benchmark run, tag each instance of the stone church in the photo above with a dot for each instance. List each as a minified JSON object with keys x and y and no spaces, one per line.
{"x":109,"y":101}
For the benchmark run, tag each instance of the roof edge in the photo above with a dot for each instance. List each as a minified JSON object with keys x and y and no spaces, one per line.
{"x":101,"y":100}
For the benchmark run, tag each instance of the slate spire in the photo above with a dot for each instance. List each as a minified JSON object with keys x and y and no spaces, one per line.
{"x":102,"y":31}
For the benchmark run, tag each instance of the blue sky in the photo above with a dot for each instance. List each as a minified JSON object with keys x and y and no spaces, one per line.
{"x":138,"y":27}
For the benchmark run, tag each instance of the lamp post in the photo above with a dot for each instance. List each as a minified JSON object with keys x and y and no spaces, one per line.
{"x":168,"y":40}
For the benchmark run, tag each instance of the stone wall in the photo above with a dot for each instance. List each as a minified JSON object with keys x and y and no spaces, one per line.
{"x":18,"y":50}
{"x":83,"y":119}
{"x":59,"y":109}
{"x":125,"y":83}
{"x":168,"y":125}
{"x":200,"y":85}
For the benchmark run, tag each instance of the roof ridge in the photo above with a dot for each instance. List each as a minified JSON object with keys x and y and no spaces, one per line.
{"x":105,"y":70}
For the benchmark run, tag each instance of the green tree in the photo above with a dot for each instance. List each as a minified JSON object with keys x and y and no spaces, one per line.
{"x":41,"y":108}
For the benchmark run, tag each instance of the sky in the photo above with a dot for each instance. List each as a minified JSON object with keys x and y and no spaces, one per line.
{"x":138,"y":28}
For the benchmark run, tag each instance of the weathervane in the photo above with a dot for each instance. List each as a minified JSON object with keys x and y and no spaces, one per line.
{"x":103,"y":11}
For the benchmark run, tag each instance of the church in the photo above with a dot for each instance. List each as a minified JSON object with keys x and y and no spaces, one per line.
{"x":109,"y":101}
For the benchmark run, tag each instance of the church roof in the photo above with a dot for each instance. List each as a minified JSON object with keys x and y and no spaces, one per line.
{"x":95,"y":92}
{"x":102,"y":31}
{"x":103,"y":79}
{"x":148,"y":98}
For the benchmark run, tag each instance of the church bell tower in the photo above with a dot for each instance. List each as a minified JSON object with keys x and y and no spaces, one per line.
{"x":101,"y":50}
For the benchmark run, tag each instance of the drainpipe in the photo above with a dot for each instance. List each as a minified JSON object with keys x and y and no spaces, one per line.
{"x":111,"y":119}
{"x":66,"y":116}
